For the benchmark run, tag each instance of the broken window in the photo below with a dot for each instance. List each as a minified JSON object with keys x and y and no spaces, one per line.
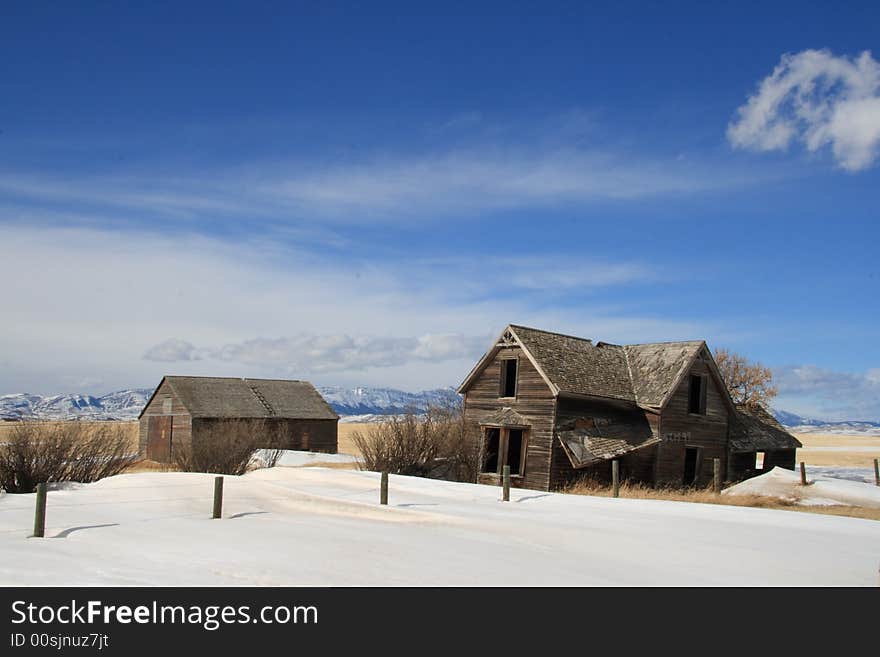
{"x":490,"y":450}
{"x":508,"y":377}
{"x":697,"y":394}
{"x":759,"y":460}
{"x":502,"y":446}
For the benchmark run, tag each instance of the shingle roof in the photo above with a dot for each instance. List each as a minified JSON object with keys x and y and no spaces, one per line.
{"x":641,"y":373}
{"x":753,"y":429}
{"x":577,"y":365}
{"x":250,"y":398}
{"x":655,"y":368}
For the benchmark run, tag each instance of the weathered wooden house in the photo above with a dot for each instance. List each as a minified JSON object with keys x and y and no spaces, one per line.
{"x":555,"y":407}
{"x":189,"y":408}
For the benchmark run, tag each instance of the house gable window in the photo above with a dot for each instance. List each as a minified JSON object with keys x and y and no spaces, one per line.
{"x":509,"y":367}
{"x":504,"y":446}
{"x":697,"y":394}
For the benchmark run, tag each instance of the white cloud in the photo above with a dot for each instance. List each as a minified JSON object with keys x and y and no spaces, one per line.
{"x":172,"y":350}
{"x":829,"y":394}
{"x":328,"y":353}
{"x":86,"y":304}
{"x":819,"y":99}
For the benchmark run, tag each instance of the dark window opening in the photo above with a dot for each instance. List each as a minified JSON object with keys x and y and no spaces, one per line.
{"x":508,"y":377}
{"x":690,"y":465}
{"x":491,"y":449}
{"x":697,"y":395}
{"x":514,"y":450}
{"x":504,"y":447}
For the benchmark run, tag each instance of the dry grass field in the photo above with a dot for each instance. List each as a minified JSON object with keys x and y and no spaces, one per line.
{"x":843,"y":450}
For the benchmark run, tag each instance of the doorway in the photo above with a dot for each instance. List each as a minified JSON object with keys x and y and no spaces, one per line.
{"x":159,"y":438}
{"x":691,"y":456}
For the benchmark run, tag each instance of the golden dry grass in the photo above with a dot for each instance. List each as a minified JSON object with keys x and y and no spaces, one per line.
{"x":6,"y":428}
{"x":707,"y":496}
{"x":345,"y":442}
{"x":853,"y":459}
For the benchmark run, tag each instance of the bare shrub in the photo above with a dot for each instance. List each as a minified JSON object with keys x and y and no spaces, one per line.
{"x":38,"y":452}
{"x":231,"y":447}
{"x":748,"y":383}
{"x":439,"y":445}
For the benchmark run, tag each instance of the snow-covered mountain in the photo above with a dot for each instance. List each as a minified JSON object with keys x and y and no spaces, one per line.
{"x":801,"y":424}
{"x":384,"y":401}
{"x":127,"y":404}
{"x":120,"y":405}
{"x":360,"y":404}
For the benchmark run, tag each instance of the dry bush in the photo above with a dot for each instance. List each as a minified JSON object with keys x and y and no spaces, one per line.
{"x":439,"y":445}
{"x":232,"y":447}
{"x":36,"y":452}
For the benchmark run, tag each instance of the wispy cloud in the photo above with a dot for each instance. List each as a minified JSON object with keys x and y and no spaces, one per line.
{"x":455,"y":184}
{"x":819,"y":99}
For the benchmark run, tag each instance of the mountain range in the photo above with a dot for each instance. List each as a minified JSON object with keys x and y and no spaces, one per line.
{"x":127,"y":404}
{"x":351,"y":403}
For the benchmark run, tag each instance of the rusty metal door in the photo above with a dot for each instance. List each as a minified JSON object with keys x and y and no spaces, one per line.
{"x":159,"y":438}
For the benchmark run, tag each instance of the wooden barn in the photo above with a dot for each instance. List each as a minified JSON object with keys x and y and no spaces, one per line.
{"x":186,"y":408}
{"x":556,"y":407}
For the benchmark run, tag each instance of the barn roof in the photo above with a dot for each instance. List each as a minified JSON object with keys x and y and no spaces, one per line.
{"x":205,"y":396}
{"x":754,"y":429}
{"x":645,"y":374}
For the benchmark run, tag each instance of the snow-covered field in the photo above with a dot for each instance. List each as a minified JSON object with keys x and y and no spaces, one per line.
{"x":821,"y":490}
{"x":317,"y":526}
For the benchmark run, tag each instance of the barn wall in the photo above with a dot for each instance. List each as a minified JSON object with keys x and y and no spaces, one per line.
{"x":534,"y":401}
{"x":181,"y":422}
{"x":783,"y":458}
{"x":310,"y":435}
{"x":306,"y":435}
{"x":680,"y":429}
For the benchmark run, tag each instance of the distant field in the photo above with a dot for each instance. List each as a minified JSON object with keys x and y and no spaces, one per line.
{"x":833,"y":449}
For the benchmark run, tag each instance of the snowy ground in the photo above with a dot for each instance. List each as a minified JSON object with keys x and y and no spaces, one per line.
{"x":865,"y":475}
{"x":321,"y":526}
{"x":822,"y":489}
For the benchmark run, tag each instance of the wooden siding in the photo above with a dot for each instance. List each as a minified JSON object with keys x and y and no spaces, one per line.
{"x":306,"y":435}
{"x":165,"y":403}
{"x":534,"y":401}
{"x":680,"y":429}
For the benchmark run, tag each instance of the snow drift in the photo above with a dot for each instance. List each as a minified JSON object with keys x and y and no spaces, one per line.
{"x":823,"y":490}
{"x":321,"y":526}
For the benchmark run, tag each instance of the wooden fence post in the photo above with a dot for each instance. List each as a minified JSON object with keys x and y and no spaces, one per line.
{"x":877,"y":471}
{"x":383,"y":489}
{"x":615,"y":477}
{"x":803,"y":474}
{"x":218,"y":497}
{"x":40,"y":512}
{"x":505,"y":482}
{"x":716,"y":471}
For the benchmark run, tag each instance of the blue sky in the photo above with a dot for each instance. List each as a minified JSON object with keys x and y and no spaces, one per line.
{"x":366,"y":195}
